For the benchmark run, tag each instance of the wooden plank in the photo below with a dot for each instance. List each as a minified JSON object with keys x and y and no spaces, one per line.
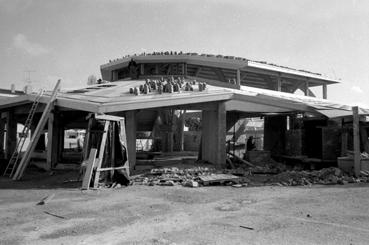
{"x":108,"y":117}
{"x":112,"y":168}
{"x":89,"y":168}
{"x":34,"y":139}
{"x":101,"y":154}
{"x":357,"y":167}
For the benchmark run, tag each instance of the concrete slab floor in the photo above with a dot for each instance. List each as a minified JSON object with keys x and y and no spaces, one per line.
{"x":180,"y":215}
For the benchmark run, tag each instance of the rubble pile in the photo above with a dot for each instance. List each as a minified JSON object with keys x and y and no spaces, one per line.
{"x":173,"y":176}
{"x":326,"y":176}
{"x":255,"y":176}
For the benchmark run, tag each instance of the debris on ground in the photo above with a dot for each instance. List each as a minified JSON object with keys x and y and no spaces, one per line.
{"x":46,"y":199}
{"x":189,"y":177}
{"x":275,"y":174}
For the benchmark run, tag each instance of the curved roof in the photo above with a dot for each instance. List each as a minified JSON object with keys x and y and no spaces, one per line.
{"x":251,"y":71}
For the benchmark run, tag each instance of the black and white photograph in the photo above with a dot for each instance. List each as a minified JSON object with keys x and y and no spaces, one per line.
{"x":184,"y":122}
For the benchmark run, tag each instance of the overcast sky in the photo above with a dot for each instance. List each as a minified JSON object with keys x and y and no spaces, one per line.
{"x":71,"y":39}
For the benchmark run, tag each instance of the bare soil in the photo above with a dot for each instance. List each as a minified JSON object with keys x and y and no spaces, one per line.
{"x":180,"y":215}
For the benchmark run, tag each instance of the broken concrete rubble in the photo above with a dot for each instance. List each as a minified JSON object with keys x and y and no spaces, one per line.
{"x":241,"y":177}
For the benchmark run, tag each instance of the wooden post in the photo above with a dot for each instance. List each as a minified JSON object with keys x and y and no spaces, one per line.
{"x":356,"y":136}
{"x":325,"y":96}
{"x":100,"y":158}
{"x":89,"y":169}
{"x":11,"y":134}
{"x":131,"y":137}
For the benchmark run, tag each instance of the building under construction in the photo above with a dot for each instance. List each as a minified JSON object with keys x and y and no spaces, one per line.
{"x":150,"y":96}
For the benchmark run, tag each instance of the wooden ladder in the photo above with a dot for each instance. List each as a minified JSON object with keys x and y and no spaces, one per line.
{"x":36,"y":136}
{"x":13,"y":161}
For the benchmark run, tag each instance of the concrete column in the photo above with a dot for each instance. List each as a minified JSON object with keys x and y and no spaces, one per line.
{"x":11,"y":134}
{"x":356,"y":136}
{"x":131,"y":124}
{"x":53,"y":135}
{"x":214,"y":135}
{"x":238,"y":77}
{"x":306,"y":88}
{"x":325,"y":96}
{"x":279,"y":83}
{"x":2,"y":135}
{"x":274,"y":134}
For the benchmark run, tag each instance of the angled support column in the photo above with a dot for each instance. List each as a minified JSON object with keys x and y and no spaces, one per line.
{"x":131,"y":124}
{"x":214,"y":135}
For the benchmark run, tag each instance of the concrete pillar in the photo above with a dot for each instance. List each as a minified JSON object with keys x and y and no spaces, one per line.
{"x":52,"y":151}
{"x":306,"y":88}
{"x":356,"y":136}
{"x":274,"y":134}
{"x":11,"y":134}
{"x":325,"y":96}
{"x":131,"y":125}
{"x":279,"y":83}
{"x":2,"y":136}
{"x":214,"y":136}
{"x":238,"y":77}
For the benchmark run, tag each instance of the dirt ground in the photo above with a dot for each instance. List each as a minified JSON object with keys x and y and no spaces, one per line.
{"x":181,"y":215}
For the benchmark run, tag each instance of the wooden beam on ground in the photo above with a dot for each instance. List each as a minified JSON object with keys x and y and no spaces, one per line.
{"x":356,"y":136}
{"x":89,"y":168}
{"x":45,"y":116}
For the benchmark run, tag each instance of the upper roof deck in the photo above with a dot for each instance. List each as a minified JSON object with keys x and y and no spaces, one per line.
{"x":227,"y":69}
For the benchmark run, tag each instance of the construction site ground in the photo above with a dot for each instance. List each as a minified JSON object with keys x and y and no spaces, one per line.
{"x":140,"y":214}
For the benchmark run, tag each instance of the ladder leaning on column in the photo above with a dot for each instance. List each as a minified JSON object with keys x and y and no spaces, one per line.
{"x":36,"y":136}
{"x":13,"y":161}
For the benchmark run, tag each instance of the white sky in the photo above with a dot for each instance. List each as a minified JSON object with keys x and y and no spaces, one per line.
{"x":71,"y":39}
